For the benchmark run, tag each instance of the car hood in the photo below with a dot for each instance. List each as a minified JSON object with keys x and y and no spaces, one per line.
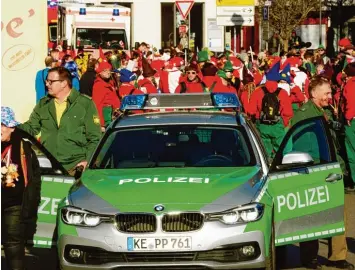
{"x":188,"y":189}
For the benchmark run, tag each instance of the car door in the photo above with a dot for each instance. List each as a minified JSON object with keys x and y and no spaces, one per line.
{"x":55,"y":186}
{"x":308,"y":196}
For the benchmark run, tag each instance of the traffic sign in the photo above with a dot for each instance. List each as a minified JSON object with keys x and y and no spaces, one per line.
{"x":236,"y":20}
{"x":184,"y":7}
{"x":235,"y":2}
{"x":231,"y":10}
{"x":267,"y":3}
{"x":266,"y":13}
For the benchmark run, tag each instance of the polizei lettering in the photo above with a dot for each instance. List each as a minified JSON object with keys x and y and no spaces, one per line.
{"x":301,"y":199}
{"x":144,"y":180}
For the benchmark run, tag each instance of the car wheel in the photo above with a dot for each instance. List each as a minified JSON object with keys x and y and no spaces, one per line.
{"x":271,"y":260}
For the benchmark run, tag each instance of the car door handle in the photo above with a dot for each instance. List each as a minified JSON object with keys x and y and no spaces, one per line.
{"x":333,"y":177}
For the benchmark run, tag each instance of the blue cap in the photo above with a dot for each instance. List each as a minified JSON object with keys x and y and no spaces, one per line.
{"x":8,"y":117}
{"x":127,"y":76}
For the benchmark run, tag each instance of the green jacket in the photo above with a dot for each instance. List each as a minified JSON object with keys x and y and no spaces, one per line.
{"x":78,"y":133}
{"x":309,"y":110}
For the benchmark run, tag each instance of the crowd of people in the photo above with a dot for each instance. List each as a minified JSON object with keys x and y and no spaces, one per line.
{"x":78,"y":95}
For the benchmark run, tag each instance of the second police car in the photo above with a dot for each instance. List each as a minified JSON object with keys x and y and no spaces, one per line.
{"x":192,"y":188}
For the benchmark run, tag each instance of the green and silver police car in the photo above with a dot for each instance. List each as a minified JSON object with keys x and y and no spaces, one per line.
{"x":187,"y":184}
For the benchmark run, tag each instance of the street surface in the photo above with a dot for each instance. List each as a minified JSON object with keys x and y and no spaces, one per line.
{"x":45,"y":259}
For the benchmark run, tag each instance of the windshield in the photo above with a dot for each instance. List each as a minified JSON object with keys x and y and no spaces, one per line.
{"x":172,"y":146}
{"x":91,"y":38}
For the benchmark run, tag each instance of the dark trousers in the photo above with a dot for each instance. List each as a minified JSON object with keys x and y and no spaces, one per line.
{"x":12,"y":233}
{"x":309,"y":251}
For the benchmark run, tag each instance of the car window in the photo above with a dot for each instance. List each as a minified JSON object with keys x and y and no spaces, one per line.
{"x":310,"y":138}
{"x":172,"y":146}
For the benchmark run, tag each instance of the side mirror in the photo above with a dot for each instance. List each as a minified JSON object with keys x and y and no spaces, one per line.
{"x":295,"y":160}
{"x":44,"y":162}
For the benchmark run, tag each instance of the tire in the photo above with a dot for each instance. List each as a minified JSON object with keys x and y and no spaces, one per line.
{"x":271,"y":260}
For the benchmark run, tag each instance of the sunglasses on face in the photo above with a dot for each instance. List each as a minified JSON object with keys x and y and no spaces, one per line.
{"x":191,"y":72}
{"x":52,"y":81}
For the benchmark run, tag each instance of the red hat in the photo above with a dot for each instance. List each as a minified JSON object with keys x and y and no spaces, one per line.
{"x":176,"y":61}
{"x":102,"y":66}
{"x":271,"y":86}
{"x":344,"y":42}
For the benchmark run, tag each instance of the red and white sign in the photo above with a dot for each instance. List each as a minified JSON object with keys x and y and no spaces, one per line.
{"x":184,"y":7}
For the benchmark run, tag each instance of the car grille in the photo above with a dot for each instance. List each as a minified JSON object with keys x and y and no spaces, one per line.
{"x":136,"y":223}
{"x":182,"y":222}
{"x":98,"y":256}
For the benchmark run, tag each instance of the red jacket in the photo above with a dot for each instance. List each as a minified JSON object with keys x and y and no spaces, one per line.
{"x":349,"y":98}
{"x":145,"y":85}
{"x":255,"y":103}
{"x":104,"y":94}
{"x":191,"y":87}
{"x":209,"y":80}
{"x":221,"y":88}
{"x":128,"y":89}
{"x":296,"y":95}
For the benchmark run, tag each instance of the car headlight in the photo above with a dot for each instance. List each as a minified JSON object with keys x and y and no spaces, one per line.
{"x":81,"y":217}
{"x":243,"y":214}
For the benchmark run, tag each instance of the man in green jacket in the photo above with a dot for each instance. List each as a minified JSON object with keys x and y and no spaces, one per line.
{"x":67,"y":121}
{"x":320,"y":94}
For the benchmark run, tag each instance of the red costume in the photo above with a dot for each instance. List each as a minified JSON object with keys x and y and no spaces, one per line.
{"x":128,"y":89}
{"x":255,"y":108}
{"x":191,"y":87}
{"x":104,"y":94}
{"x":146,"y":86}
{"x":349,"y":108}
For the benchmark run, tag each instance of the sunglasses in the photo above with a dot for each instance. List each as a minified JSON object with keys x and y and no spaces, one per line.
{"x":52,"y":81}
{"x":191,"y":72}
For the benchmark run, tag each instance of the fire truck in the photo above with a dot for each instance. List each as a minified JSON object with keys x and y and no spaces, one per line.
{"x":93,"y":25}
{"x":52,"y":20}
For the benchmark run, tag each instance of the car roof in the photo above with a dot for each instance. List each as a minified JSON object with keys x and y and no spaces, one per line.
{"x":174,"y":118}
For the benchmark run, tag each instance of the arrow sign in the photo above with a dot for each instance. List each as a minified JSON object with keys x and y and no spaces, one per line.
{"x":184,"y":7}
{"x":239,"y":10}
{"x":235,"y":20}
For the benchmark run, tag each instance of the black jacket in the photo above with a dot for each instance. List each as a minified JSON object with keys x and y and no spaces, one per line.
{"x":87,"y":82}
{"x":32,"y":193}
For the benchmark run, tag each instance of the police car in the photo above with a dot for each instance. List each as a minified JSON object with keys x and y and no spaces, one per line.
{"x":187,"y":184}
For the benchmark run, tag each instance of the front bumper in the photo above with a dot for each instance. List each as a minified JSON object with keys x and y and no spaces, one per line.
{"x":212,"y":237}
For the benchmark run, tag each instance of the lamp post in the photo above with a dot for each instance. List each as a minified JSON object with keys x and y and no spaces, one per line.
{"x":320,"y":22}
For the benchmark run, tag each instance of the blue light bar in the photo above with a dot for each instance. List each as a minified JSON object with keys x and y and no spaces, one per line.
{"x":225,"y":100}
{"x":133,"y":102}
{"x":82,"y":11}
{"x":116,"y":12}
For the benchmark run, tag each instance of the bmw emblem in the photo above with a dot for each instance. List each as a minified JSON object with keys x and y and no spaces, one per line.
{"x":159,"y":207}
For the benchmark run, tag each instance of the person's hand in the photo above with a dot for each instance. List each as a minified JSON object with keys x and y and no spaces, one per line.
{"x":83,"y":163}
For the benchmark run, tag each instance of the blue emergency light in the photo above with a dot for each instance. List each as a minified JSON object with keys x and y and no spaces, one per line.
{"x":116,"y":12}
{"x":225,"y":100}
{"x":133,"y":102}
{"x":82,"y":11}
{"x":181,"y":101}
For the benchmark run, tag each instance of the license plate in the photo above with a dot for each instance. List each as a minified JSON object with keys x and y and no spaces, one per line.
{"x":158,"y":243}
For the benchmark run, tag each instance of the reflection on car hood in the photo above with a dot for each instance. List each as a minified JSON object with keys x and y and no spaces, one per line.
{"x":187,"y":189}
